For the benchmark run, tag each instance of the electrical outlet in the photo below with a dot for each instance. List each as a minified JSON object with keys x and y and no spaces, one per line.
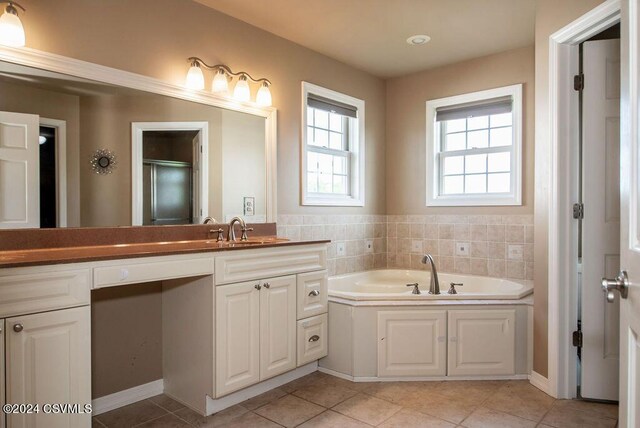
{"x":515,"y":252}
{"x":368,"y":246}
{"x":462,"y":249}
{"x":416,"y":246}
{"x":340,"y":250}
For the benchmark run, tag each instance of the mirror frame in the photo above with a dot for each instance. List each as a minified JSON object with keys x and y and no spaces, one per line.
{"x":113,"y":76}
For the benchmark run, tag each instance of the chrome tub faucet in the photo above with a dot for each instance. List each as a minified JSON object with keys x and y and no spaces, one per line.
{"x":434,"y":285}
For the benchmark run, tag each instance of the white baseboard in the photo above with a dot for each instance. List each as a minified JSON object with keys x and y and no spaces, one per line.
{"x":216,"y":405}
{"x":417,"y":378}
{"x":539,"y":381}
{"x":128,"y":396}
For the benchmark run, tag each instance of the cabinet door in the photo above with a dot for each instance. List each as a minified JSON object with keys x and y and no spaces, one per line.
{"x":412,"y":343}
{"x":49,"y":361}
{"x":237,"y":336}
{"x":312,"y":294}
{"x":277,"y":326}
{"x":482,"y":342}
{"x":2,"y":401}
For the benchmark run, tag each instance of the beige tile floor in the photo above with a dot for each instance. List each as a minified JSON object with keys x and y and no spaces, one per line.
{"x":320,"y":400}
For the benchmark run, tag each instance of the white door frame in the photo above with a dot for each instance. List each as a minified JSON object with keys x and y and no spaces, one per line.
{"x":61,"y":167}
{"x":563,"y":137}
{"x":201,"y":203}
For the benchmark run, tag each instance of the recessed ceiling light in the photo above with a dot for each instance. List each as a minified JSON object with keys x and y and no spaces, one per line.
{"x":418,"y":39}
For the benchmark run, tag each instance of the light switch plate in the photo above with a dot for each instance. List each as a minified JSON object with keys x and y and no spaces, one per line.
{"x":340,"y":250}
{"x":462,"y":249}
{"x":416,"y":246}
{"x":368,"y":246}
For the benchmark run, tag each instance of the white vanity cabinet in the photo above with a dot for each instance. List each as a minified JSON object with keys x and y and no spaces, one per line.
{"x":469,"y":333}
{"x":255,"y":332}
{"x":412,"y":343}
{"x":45,"y":344}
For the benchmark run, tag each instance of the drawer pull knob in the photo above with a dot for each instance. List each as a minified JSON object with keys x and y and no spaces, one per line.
{"x":257,"y":287}
{"x":314,"y":338}
{"x":314,"y":293}
{"x":18,"y":328}
{"x":267,"y":285}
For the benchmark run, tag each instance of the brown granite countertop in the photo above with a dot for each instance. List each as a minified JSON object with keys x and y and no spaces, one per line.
{"x":49,"y":256}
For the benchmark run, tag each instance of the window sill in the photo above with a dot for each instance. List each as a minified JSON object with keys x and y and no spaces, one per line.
{"x":332,"y":202}
{"x":457,"y":201}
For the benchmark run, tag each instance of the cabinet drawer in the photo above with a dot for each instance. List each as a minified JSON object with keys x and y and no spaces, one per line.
{"x":248,"y":265}
{"x":156,"y":269}
{"x":44,"y":291}
{"x":312,"y":339}
{"x":312,"y":294}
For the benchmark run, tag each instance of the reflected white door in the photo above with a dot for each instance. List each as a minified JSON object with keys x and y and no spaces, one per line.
{"x":630,"y":218}
{"x":19,"y":170}
{"x":601,"y":224}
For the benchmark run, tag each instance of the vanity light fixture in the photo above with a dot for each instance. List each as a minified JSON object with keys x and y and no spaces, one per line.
{"x":220,"y":85}
{"x":11,"y":29}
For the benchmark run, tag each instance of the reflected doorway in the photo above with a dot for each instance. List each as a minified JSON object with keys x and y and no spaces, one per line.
{"x":170,"y":172}
{"x":168,"y":177}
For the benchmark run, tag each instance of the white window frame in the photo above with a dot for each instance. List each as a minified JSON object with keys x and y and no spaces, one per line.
{"x":356,"y":168}
{"x":434,"y":198}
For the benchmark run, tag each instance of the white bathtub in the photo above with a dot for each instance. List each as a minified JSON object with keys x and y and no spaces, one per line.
{"x":391,"y":284}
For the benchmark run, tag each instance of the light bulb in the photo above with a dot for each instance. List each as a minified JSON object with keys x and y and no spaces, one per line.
{"x":11,"y":29}
{"x":242,"y":92}
{"x":263,"y":98}
{"x":195,"y":77}
{"x":220,"y":82}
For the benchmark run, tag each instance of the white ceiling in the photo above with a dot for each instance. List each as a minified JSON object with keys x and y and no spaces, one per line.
{"x":370,"y":34}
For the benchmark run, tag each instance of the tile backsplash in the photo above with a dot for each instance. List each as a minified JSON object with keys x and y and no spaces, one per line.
{"x":489,"y":245}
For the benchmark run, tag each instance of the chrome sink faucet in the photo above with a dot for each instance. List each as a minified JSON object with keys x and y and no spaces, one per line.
{"x":434,"y":285}
{"x":231,"y":234}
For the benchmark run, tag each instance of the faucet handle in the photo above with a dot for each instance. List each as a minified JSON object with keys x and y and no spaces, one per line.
{"x":452,"y":289}
{"x":416,"y":290}
{"x":244,"y":236}
{"x":220,"y":232}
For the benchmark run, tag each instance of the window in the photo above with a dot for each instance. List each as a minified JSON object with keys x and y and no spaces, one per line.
{"x":474,"y":148}
{"x":332,"y":148}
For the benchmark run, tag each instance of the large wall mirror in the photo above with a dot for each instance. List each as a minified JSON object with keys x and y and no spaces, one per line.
{"x":80,"y":152}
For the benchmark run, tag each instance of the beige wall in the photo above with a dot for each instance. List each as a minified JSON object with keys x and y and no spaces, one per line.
{"x":154,"y":38}
{"x":406,"y":126}
{"x":23,"y":98}
{"x":551,"y":15}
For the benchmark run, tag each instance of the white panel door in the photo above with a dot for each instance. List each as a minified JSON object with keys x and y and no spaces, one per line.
{"x":630,"y":217}
{"x":481,"y":342}
{"x":19,"y":170}
{"x":48,"y":360}
{"x":2,"y":384}
{"x":601,"y":224}
{"x":412,"y":343}
{"x":277,"y":326}
{"x":237,"y":336}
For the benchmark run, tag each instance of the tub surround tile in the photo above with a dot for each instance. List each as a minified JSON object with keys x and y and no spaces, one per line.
{"x":399,"y":241}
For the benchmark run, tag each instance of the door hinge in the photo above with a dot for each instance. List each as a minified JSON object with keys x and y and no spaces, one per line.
{"x":578,"y":82}
{"x":578,"y":211}
{"x":577,"y":339}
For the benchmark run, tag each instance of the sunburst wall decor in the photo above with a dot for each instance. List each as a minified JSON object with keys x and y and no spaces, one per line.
{"x":103,"y":161}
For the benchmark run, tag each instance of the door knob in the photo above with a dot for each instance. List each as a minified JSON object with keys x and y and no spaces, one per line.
{"x":18,"y":328}
{"x":620,"y":283}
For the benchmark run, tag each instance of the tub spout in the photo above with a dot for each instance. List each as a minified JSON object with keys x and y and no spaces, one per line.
{"x":434,"y":285}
